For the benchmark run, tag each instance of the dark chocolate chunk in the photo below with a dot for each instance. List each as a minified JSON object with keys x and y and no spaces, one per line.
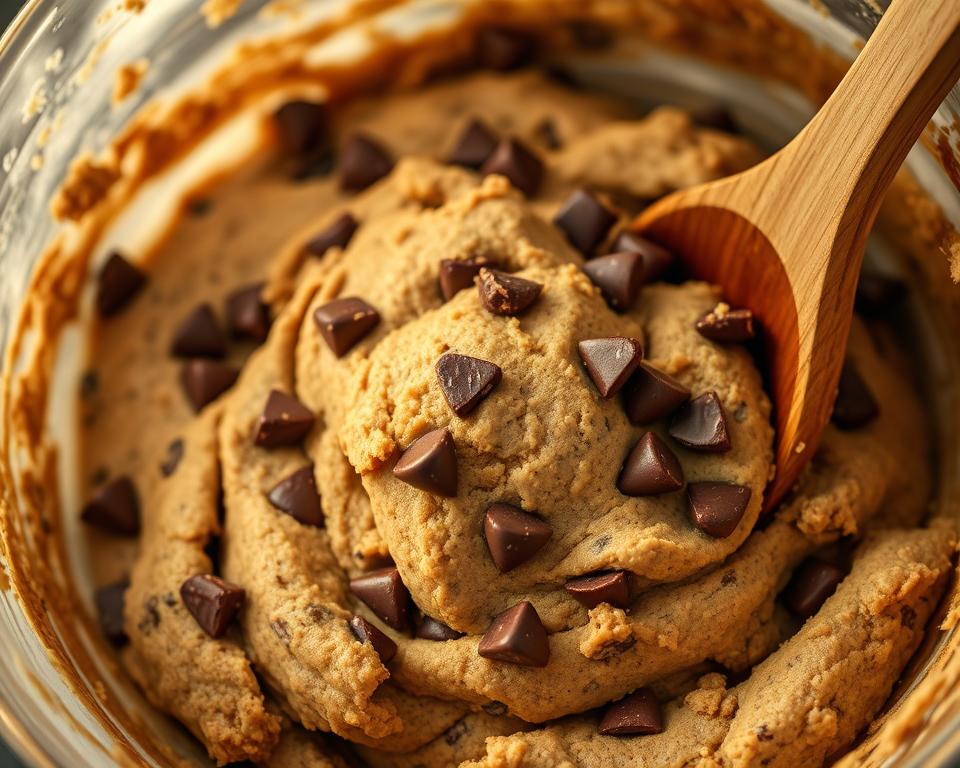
{"x":430,"y":464}
{"x":475,"y":145}
{"x":651,"y":468}
{"x":199,"y":335}
{"x":855,"y":405}
{"x":431,"y":629}
{"x":284,"y":421}
{"x":656,"y":259}
{"x":366,"y":632}
{"x":727,"y":326}
{"x":598,"y":588}
{"x":363,"y":161}
{"x":385,"y":594}
{"x":585,"y":221}
{"x":110,"y":601}
{"x":878,"y":294}
{"x":204,"y":381}
{"x":344,"y":322}
{"x":517,"y":636}
{"x":610,"y":362}
{"x":717,"y":508}
{"x":338,"y":234}
{"x":504,"y":49}
{"x":638,"y":713}
{"x":513,"y":536}
{"x":248,"y":317}
{"x":505,"y":294}
{"x":810,"y":586}
{"x":213,"y":602}
{"x":114,"y":508}
{"x":297,"y":495}
{"x":302,"y":127}
{"x":519,"y":164}
{"x":651,"y":394}
{"x":172,"y":460}
{"x":455,"y":275}
{"x":701,"y":425}
{"x":619,"y":276}
{"x":119,"y":281}
{"x":466,"y":381}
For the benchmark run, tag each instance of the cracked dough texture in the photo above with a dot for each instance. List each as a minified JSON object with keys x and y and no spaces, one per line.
{"x":289,"y":684}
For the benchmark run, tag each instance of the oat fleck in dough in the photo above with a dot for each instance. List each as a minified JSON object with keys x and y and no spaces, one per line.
{"x":475,"y":639}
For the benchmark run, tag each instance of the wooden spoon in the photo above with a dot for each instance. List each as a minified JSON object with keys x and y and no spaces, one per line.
{"x":786,"y":238}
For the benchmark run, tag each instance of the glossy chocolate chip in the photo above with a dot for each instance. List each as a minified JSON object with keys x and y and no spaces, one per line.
{"x":344,"y":322}
{"x":430,"y":464}
{"x":504,"y":49}
{"x":513,"y":536}
{"x":248,"y":316}
{"x":726,"y":326}
{"x":203,"y":381}
{"x":517,"y":636}
{"x":656,"y":259}
{"x":717,"y":508}
{"x":650,"y":469}
{"x":465,"y":381}
{"x":610,"y":362}
{"x":363,"y":161}
{"x":521,"y":165}
{"x":213,"y":602}
{"x":172,"y":460}
{"x":585,"y":221}
{"x":619,"y":276}
{"x":366,"y":632}
{"x":598,"y":588}
{"x":855,"y":405}
{"x":431,"y":629}
{"x":297,"y":495}
{"x":701,"y":425}
{"x":199,"y":335}
{"x":636,"y":714}
{"x":302,"y":127}
{"x":505,"y":294}
{"x":337,"y":234}
{"x":385,"y":594}
{"x":114,"y":508}
{"x":455,"y":275}
{"x":283,"y":421}
{"x":878,"y":294}
{"x":110,"y":601}
{"x":117,"y":284}
{"x":651,"y":394}
{"x":474,"y":146}
{"x":810,"y":586}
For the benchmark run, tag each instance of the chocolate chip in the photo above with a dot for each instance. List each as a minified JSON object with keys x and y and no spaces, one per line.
{"x":651,"y":468}
{"x":317,"y":164}
{"x":119,"y":281}
{"x":656,"y":259}
{"x":204,"y":381}
{"x":585,"y":221}
{"x":513,"y":536}
{"x":717,"y":508}
{"x":430,"y":464}
{"x":496,"y":708}
{"x":172,"y":460}
{"x":337,"y":234}
{"x":248,"y":317}
{"x":855,"y":405}
{"x":619,"y":276}
{"x":89,"y":384}
{"x":701,"y":425}
{"x":455,"y":275}
{"x":475,"y":145}
{"x":598,"y":588}
{"x":302,"y":127}
{"x":517,"y":636}
{"x":504,"y":294}
{"x":284,"y":421}
{"x":810,"y":586}
{"x":366,"y":632}
{"x":199,"y":335}
{"x":114,"y":508}
{"x":455,"y":732}
{"x":878,"y":294}
{"x":651,"y":394}
{"x":110,"y":601}
{"x":638,"y":713}
{"x":363,"y":161}
{"x":344,"y":322}
{"x":385,"y":594}
{"x":546,"y":134}
{"x":297,"y":495}
{"x":200,"y":206}
{"x":726,"y":326}
{"x":431,"y":629}
{"x":717,"y":118}
{"x":465,"y":381}
{"x":213,"y":602}
{"x":505,"y":49}
{"x":610,"y":362}
{"x":519,"y":164}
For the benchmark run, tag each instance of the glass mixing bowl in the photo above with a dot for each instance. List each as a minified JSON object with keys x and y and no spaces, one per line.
{"x":56,"y":84}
